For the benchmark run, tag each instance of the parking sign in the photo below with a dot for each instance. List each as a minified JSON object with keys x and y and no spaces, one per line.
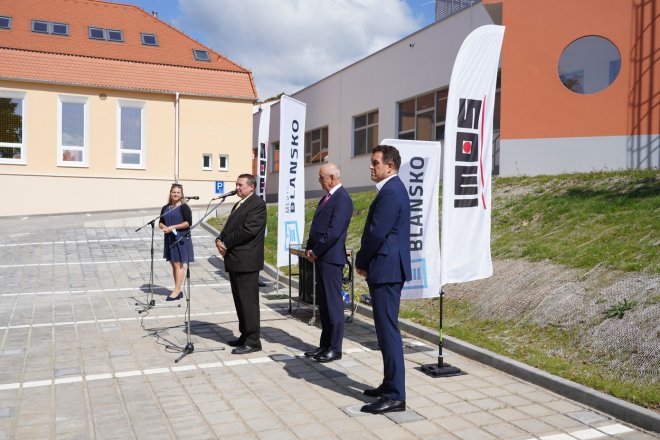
{"x":219,"y":186}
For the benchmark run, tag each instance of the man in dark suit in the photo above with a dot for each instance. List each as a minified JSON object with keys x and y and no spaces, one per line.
{"x":384,"y":259}
{"x":326,"y":248}
{"x":241,"y":243}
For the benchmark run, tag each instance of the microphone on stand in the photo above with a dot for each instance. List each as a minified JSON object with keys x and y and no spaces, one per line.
{"x":224,"y":196}
{"x":192,"y":197}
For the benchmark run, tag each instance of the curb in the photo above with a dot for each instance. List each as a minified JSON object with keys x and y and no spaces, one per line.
{"x":622,"y":410}
{"x":615,"y":407}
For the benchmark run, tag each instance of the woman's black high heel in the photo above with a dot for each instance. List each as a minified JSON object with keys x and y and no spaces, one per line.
{"x":176,"y":298}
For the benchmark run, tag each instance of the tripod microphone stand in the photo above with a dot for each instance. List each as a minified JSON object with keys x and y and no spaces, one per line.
{"x":189,"y":347}
{"x":150,"y":303}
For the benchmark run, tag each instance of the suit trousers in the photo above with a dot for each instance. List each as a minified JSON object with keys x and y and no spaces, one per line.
{"x":385,"y":299}
{"x":245,"y":291}
{"x":331,"y":304}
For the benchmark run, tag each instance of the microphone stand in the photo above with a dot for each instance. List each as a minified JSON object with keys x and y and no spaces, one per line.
{"x":189,"y":347}
{"x":150,"y":303}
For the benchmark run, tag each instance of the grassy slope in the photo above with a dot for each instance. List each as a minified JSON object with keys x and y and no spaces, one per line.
{"x":579,"y":220}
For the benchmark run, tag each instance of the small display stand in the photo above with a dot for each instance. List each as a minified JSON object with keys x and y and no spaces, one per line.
{"x":307,"y":283}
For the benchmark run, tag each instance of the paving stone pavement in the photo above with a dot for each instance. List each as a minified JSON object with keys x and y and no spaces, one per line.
{"x":80,"y":361}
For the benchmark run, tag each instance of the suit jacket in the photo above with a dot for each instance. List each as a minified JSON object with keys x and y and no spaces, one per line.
{"x":244,"y":234}
{"x":327,"y":234}
{"x":385,"y":246}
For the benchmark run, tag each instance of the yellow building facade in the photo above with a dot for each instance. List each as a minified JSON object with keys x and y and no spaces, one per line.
{"x":111,"y":131}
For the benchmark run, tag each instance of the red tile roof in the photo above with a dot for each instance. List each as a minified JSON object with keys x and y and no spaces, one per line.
{"x":77,"y":59}
{"x":104,"y":73}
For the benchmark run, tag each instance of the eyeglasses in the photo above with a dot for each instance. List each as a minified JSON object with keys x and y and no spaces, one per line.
{"x":177,"y":185}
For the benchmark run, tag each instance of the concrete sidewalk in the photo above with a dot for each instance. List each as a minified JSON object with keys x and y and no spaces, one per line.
{"x":80,"y":362}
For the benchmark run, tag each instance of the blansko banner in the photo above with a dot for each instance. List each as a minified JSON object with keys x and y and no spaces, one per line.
{"x":420,"y":173}
{"x":466,"y":187}
{"x":291,"y":199}
{"x":262,"y":150}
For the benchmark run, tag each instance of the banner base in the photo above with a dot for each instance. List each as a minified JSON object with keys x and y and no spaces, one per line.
{"x":441,"y":370}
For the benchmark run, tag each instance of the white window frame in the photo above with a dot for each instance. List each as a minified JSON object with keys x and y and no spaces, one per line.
{"x":11,"y":94}
{"x":310,"y":142}
{"x":198,"y":55}
{"x":364,"y":128}
{"x":9,"y":20}
{"x":226,"y":167}
{"x":50,"y":27}
{"x":144,"y":35}
{"x":210,"y":166}
{"x":60,"y":146}
{"x":143,"y":135}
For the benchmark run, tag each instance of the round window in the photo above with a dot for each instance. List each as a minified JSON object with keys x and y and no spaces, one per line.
{"x":589,"y":64}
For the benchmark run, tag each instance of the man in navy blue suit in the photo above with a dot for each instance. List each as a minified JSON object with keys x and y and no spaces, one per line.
{"x":326,"y":248}
{"x":384,"y":259}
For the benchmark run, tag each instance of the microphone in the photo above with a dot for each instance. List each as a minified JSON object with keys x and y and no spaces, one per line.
{"x":192,"y":197}
{"x":230,"y":193}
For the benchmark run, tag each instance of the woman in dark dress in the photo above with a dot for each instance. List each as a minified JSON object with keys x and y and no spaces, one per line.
{"x":175,"y":220}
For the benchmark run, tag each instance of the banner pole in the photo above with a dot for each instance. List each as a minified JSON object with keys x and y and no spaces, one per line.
{"x":441,"y":369}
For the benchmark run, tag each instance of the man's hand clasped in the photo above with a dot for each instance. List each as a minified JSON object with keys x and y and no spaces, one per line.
{"x":310,"y":256}
{"x":221,"y":247}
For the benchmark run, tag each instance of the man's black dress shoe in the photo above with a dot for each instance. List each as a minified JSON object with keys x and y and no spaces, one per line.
{"x":316,"y":352}
{"x":328,"y":356}
{"x":384,"y":405}
{"x":245,"y":349}
{"x":373,"y":392}
{"x":235,"y":342}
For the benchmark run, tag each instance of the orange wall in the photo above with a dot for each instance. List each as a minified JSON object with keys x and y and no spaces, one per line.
{"x":535,"y":104}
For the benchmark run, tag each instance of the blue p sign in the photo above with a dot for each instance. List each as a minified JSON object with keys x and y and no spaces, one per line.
{"x":219,"y":186}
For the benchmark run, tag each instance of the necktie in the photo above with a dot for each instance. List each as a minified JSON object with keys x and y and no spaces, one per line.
{"x":238,"y":205}
{"x":325,"y":199}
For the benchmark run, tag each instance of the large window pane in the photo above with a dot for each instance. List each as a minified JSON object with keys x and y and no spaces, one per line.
{"x":359,"y":142}
{"x":73,"y":124}
{"x":11,"y":128}
{"x":365,"y":133}
{"x":11,"y":120}
{"x":130,"y":135}
{"x":72,"y":141}
{"x":316,"y":145}
{"x":424,"y":131}
{"x":131,"y":128}
{"x":407,"y":115}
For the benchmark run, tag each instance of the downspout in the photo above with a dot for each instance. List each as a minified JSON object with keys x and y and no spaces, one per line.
{"x":176,"y":138}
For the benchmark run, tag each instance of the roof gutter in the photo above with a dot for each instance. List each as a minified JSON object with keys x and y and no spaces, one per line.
{"x":129,"y":89}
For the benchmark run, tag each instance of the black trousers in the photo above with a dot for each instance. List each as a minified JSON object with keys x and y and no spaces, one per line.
{"x":245,"y":290}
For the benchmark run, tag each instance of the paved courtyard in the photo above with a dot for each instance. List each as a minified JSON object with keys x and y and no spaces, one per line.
{"x":80,"y":362}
